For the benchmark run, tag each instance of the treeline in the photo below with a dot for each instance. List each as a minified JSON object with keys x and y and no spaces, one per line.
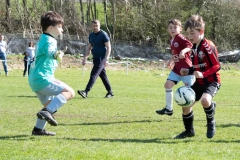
{"x":139,"y":21}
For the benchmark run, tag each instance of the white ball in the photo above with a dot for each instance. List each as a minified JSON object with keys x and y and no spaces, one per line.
{"x":184,"y":96}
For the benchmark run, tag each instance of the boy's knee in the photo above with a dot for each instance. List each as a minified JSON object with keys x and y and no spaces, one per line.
{"x":205,"y":102}
{"x":72,"y":93}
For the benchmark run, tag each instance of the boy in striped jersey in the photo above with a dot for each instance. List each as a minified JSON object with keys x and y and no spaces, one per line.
{"x":205,"y":67}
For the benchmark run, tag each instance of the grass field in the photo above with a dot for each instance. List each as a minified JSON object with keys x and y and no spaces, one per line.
{"x":125,"y":127}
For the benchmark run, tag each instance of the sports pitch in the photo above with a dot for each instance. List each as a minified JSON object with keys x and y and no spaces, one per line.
{"x":125,"y":127}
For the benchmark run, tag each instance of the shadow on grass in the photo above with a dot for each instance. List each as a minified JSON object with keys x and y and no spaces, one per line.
{"x":228,"y":125}
{"x":16,"y":137}
{"x":155,"y":140}
{"x":225,"y":141}
{"x":23,"y":96}
{"x":109,"y":123}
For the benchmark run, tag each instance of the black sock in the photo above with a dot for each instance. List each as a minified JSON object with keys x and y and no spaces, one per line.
{"x":210,"y":111}
{"x":188,"y":122}
{"x":36,"y":129}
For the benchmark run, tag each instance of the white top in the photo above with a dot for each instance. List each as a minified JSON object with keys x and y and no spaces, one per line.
{"x":31,"y":52}
{"x":3,"y":46}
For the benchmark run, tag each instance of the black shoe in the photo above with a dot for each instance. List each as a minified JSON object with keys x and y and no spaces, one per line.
{"x":109,"y":95}
{"x":82,"y":93}
{"x":185,"y":134}
{"x":42,"y":133}
{"x":46,"y":115}
{"x":211,"y":129}
{"x":165,"y":111}
{"x":211,"y":126}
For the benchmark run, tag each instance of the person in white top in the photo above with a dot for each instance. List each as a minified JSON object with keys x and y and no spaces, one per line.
{"x":31,"y":53}
{"x":3,"y":56}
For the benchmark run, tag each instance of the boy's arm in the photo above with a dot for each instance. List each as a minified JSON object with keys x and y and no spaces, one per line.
{"x":215,"y":65}
{"x":170,"y":63}
{"x":182,"y":53}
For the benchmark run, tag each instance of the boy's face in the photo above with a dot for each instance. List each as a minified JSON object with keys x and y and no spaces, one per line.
{"x":174,"y":30}
{"x":57,"y":30}
{"x":194,"y":35}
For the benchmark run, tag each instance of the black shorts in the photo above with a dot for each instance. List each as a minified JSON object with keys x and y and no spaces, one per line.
{"x":210,"y":88}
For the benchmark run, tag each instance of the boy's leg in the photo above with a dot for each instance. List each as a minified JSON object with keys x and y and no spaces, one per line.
{"x":172,"y":80}
{"x":188,"y":125}
{"x":209,"y":110}
{"x":39,"y":128}
{"x":63,"y":92}
{"x":188,"y":80}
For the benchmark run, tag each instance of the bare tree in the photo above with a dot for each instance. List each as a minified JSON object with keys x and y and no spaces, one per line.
{"x":82,"y":11}
{"x":8,"y":17}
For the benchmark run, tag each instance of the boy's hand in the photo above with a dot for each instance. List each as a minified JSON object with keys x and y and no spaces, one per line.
{"x":184,"y":71}
{"x":59,"y":54}
{"x":198,"y":74}
{"x":170,"y":64}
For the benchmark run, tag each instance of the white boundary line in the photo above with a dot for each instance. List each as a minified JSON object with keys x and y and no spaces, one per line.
{"x":88,"y":62}
{"x":164,"y":66}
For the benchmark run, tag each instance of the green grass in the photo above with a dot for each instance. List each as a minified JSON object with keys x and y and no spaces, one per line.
{"x":125,"y":127}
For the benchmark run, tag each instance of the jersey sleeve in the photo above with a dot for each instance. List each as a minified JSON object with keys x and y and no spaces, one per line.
{"x":212,"y":52}
{"x":185,"y":42}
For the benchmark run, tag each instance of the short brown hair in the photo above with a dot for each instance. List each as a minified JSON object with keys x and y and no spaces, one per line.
{"x":50,"y":18}
{"x":175,"y":22}
{"x":196,"y":22}
{"x":95,"y":21}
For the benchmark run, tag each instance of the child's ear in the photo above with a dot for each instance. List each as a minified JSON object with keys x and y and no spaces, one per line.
{"x":201,"y":31}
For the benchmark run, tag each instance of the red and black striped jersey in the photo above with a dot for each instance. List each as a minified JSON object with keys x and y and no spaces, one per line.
{"x":177,"y":45}
{"x":205,"y":59}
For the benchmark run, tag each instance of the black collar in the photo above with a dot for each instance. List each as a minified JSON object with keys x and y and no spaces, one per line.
{"x":48,"y":34}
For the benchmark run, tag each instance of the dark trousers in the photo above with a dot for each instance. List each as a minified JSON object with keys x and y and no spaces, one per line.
{"x":98,"y":70}
{"x":3,"y":56}
{"x":26,"y":67}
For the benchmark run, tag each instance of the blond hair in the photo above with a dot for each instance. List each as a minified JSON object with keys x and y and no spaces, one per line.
{"x":196,"y":22}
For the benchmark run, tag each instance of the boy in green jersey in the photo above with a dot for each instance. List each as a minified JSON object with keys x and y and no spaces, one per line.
{"x":51,"y":92}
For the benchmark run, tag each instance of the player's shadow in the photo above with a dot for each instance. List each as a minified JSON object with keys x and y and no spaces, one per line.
{"x":16,"y":137}
{"x":228,"y":125}
{"x":110,"y":123}
{"x":225,"y":141}
{"x":23,"y":96}
{"x":127,"y":140}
